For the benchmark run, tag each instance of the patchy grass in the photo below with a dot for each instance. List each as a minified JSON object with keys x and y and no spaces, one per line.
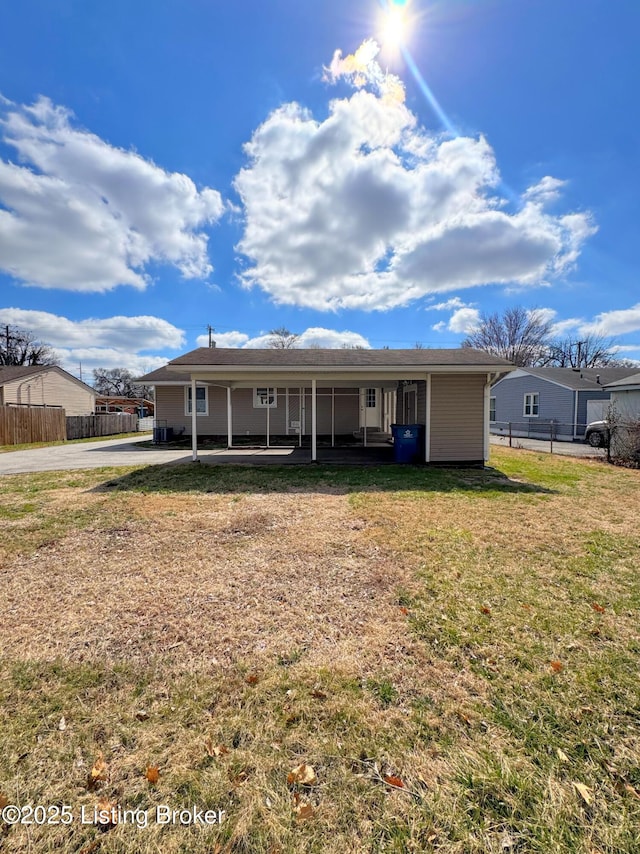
{"x":454,"y":652}
{"x":4,"y":449}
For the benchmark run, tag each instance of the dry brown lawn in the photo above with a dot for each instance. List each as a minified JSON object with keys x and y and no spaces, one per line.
{"x":454,"y":653}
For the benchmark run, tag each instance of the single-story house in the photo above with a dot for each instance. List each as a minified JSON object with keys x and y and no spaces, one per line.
{"x":307,"y":395}
{"x":534,"y":401}
{"x":45,"y":385}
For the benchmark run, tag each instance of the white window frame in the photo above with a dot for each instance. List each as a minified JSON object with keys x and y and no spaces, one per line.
{"x":531,"y":402}
{"x":492,"y":409}
{"x":187,"y":400}
{"x":261,"y":393}
{"x":371,"y":394}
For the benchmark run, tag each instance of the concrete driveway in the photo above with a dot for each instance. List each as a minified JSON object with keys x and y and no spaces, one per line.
{"x":88,"y":455}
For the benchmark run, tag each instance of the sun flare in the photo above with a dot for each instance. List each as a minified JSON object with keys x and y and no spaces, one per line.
{"x":393,"y":26}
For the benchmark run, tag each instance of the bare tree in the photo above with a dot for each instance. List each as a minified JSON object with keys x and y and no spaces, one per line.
{"x":593,"y":351}
{"x":118,"y":382}
{"x":21,"y":347}
{"x":520,"y":335}
{"x":282,"y":339}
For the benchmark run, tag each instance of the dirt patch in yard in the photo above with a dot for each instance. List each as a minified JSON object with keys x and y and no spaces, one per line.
{"x":212,"y":582}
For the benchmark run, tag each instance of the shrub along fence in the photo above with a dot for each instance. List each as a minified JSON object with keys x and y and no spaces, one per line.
{"x":22,"y":425}
{"x":86,"y":426}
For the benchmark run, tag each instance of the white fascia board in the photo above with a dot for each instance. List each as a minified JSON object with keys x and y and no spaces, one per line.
{"x":360,"y":372}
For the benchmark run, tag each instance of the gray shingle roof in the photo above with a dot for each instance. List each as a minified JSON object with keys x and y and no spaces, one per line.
{"x":336,"y":358}
{"x":8,"y":373}
{"x":585,"y":379}
{"x":632,"y":380}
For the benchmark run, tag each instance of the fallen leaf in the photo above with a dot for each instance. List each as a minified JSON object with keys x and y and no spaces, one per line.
{"x":152,"y":774}
{"x":91,"y":847}
{"x":142,"y":715}
{"x":215,"y":750}
{"x":62,"y":725}
{"x":562,"y":756}
{"x":629,"y":788}
{"x":4,"y":801}
{"x":238,"y":779}
{"x":557,"y":666}
{"x":404,"y":610}
{"x":599,"y":608}
{"x":393,"y":781}
{"x":485,"y":610}
{"x":252,"y":679}
{"x":585,"y":792}
{"x":302,"y":774}
{"x":318,"y":695}
{"x":99,"y":771}
{"x":303,"y":811}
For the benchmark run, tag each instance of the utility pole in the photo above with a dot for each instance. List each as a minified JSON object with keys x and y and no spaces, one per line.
{"x":211,"y":331}
{"x":580,"y":343}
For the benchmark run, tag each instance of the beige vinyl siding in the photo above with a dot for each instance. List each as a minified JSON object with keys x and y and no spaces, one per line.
{"x":170,"y":407}
{"x":457,"y":417}
{"x":51,"y":388}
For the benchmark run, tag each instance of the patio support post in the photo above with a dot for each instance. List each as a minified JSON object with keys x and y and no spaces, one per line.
{"x":427,"y":420}
{"x":487,"y":412}
{"x":301,"y":414}
{"x":229,"y":419}
{"x":269,"y":414}
{"x":314,"y":426}
{"x":333,"y":417}
{"x":286,"y":409}
{"x":363,"y":403}
{"x":194,"y":422}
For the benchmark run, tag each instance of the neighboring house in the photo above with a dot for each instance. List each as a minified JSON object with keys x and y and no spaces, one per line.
{"x":133,"y":405}
{"x":528,"y":400}
{"x":625,"y":410}
{"x":45,"y":385}
{"x":625,"y":397}
{"x":309,"y":394}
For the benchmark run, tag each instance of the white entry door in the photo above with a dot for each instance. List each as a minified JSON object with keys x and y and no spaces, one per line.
{"x":370,"y":407}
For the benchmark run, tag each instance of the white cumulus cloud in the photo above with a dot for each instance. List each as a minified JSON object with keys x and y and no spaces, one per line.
{"x":79,"y":214}
{"x":314,"y":336}
{"x":367,"y":210}
{"x":616,"y":322}
{"x":464,"y":320}
{"x":109,"y":342}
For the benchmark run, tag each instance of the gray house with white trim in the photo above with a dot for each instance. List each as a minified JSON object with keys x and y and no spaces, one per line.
{"x":534,"y":401}
{"x":322,"y":396}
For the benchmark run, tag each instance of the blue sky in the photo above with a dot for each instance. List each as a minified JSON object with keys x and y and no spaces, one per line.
{"x":251,"y":165}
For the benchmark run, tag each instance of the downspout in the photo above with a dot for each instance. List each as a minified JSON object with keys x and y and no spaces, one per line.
{"x":229,"y":419}
{"x":427,"y":420}
{"x":486,"y":420}
{"x":575,"y":414}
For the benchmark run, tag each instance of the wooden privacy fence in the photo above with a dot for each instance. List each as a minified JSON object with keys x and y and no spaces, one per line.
{"x":25,"y":424}
{"x":85,"y":426}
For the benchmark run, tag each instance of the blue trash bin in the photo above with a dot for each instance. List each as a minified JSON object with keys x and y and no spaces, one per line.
{"x":407,"y":442}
